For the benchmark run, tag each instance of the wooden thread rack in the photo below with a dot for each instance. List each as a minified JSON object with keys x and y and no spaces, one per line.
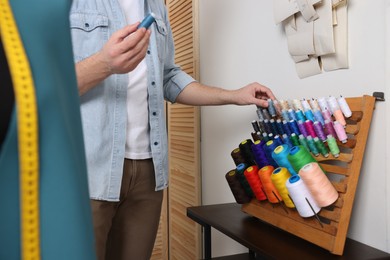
{"x":331,"y":231}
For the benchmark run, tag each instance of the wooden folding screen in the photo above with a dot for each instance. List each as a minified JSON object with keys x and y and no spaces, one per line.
{"x":184,"y":146}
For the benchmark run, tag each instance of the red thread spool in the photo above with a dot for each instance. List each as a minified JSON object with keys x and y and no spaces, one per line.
{"x":268,"y":186}
{"x":254,"y":182}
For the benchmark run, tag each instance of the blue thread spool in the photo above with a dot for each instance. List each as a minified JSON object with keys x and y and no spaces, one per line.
{"x":147,"y":21}
{"x":294,"y":127}
{"x":318,"y":117}
{"x":291,"y":114}
{"x":309,"y":115}
{"x":280,"y":154}
{"x":300,"y":116}
{"x":286,"y":127}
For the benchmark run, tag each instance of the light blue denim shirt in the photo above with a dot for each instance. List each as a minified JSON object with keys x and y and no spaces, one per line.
{"x":103,"y":108}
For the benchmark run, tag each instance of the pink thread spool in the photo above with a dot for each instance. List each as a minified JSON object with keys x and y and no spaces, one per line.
{"x":340,"y":132}
{"x":318,"y":184}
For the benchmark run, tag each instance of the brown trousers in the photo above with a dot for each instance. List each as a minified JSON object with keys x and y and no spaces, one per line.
{"x":126,"y":230}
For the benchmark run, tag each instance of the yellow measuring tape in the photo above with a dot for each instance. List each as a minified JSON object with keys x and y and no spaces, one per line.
{"x":27,"y":119}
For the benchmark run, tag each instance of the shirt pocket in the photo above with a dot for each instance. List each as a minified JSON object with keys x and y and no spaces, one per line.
{"x":161,"y":38}
{"x":89,"y":33}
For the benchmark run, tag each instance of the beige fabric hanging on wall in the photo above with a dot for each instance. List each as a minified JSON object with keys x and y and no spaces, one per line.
{"x":316,"y":33}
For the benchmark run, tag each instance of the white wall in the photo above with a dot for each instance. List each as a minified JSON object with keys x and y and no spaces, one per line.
{"x":239,"y":44}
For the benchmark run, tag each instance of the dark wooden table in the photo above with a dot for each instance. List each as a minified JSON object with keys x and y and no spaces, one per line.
{"x":265,"y":241}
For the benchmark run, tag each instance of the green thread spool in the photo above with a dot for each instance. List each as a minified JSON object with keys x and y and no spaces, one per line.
{"x":312,"y":146}
{"x":333,"y":147}
{"x":294,"y":139}
{"x":303,"y":142}
{"x":321,"y":147}
{"x":299,"y":156}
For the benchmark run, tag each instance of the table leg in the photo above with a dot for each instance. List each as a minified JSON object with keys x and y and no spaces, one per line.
{"x":207,"y":241}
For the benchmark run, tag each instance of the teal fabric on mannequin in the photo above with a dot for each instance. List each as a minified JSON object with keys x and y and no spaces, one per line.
{"x":65,"y":217}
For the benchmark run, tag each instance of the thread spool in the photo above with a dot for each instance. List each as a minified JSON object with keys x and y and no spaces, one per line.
{"x":274,"y":128}
{"x":271,"y":108}
{"x":338,"y":116}
{"x":284,"y":104}
{"x":309,"y":115}
{"x":301,"y":197}
{"x":279,"y":177}
{"x":236,"y":188}
{"x":255,"y":126}
{"x":266,"y":114}
{"x":310,"y":128}
{"x":237,"y":156}
{"x":299,"y":115}
{"x":321,"y":147}
{"x":286,"y":127}
{"x":329,"y":129}
{"x":278,"y":107}
{"x":322,"y":102}
{"x":344,"y":107}
{"x":277,"y":140}
{"x":270,"y":190}
{"x":259,"y":154}
{"x":294,"y":139}
{"x":240,"y":169}
{"x":318,"y":116}
{"x":280,"y":156}
{"x":259,"y":113}
{"x":291,"y":114}
{"x":269,"y":147}
{"x":318,"y":184}
{"x":285,"y":115}
{"x":303,"y":142}
{"x":340,"y":132}
{"x":251,"y":174}
{"x":256,"y":136}
{"x":298,"y":157}
{"x":312,"y":146}
{"x":319,"y":131}
{"x":246,"y":151}
{"x":336,"y":111}
{"x":279,"y":126}
{"x":293,"y":125}
{"x":314,"y":104}
{"x":302,"y":128}
{"x":326,"y":114}
{"x":287,"y":141}
{"x":333,"y":147}
{"x":305,"y":105}
{"x":297,"y":104}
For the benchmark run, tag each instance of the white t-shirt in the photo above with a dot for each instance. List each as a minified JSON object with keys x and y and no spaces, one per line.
{"x":137,"y":135}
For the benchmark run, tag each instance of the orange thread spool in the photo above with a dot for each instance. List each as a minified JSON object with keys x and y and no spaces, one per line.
{"x":269,"y":187}
{"x":254,"y":182}
{"x":318,"y":184}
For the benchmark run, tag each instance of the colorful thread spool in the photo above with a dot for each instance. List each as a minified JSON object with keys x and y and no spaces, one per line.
{"x":301,"y":197}
{"x":333,"y":147}
{"x":312,"y":146}
{"x":299,"y":115}
{"x":291,"y":114}
{"x":329,"y":129}
{"x":294,"y":139}
{"x":280,"y":156}
{"x":246,"y":151}
{"x":321,"y":147}
{"x":269,"y":147}
{"x":326,"y":114}
{"x":279,"y":177}
{"x":322,"y":102}
{"x":318,"y":184}
{"x":251,"y":174}
{"x":344,"y":107}
{"x":293,"y":125}
{"x":286,"y":127}
{"x":298,"y":157}
{"x":259,"y":113}
{"x":303,"y":142}
{"x":266,"y":114}
{"x":336,"y":111}
{"x":302,"y":128}
{"x":285,"y":115}
{"x":270,"y":190}
{"x":287,"y":140}
{"x":236,"y":188}
{"x":318,"y":116}
{"x":310,"y":128}
{"x":255,"y":126}
{"x":309,"y":115}
{"x":237,"y":156}
{"x":319,"y":131}
{"x":340,"y":132}
{"x":314,"y":104}
{"x":271,"y":108}
{"x":278,"y":107}
{"x":240,"y":169}
{"x":259,"y":154}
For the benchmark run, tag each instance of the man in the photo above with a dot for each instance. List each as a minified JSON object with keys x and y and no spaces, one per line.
{"x":124,"y":75}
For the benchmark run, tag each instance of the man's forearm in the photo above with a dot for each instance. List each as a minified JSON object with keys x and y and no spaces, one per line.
{"x":90,"y":72}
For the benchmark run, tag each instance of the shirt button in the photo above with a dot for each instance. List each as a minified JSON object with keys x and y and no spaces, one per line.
{"x":155,"y":143}
{"x":154,"y":113}
{"x":86,"y":25}
{"x":148,"y":52}
{"x":153,"y":83}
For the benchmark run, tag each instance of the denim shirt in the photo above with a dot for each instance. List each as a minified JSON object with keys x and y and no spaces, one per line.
{"x":103,"y":108}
